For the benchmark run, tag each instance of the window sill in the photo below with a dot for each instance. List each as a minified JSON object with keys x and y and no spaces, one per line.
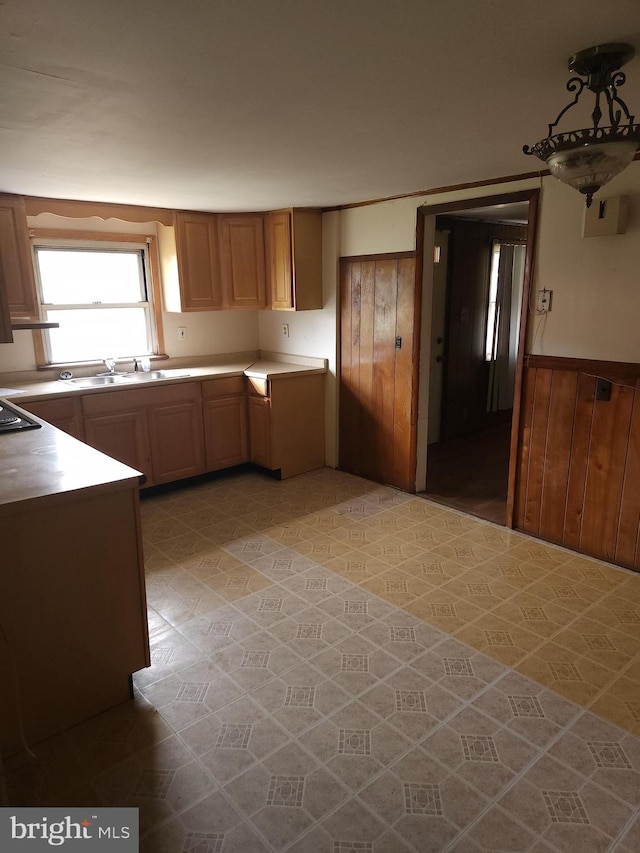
{"x":72,"y":365}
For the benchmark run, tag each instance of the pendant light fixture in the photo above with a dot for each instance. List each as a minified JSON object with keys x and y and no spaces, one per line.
{"x":588,"y":158}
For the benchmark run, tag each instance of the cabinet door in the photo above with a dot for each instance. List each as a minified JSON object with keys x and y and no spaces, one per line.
{"x":260,"y":431}
{"x":6,"y":334}
{"x":295,"y":259}
{"x":123,"y":436}
{"x":242,"y":261}
{"x":225,"y":432}
{"x":198,"y":261}
{"x":177,"y":446}
{"x":18,"y":279}
{"x":280,"y":270}
{"x":65,"y":413}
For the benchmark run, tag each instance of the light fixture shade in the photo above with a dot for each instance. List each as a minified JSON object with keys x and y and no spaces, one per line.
{"x":587,"y":159}
{"x":590,"y":166}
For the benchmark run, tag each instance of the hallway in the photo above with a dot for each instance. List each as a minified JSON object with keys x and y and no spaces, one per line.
{"x":470,"y":473}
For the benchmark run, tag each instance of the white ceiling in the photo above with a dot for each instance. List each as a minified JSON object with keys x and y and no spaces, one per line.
{"x":257,"y":104}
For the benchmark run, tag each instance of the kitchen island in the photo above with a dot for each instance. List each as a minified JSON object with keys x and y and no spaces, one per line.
{"x":73,"y":624}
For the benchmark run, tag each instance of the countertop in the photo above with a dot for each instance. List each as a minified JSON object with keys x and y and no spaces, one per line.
{"x":267,"y":366}
{"x":47,"y":464}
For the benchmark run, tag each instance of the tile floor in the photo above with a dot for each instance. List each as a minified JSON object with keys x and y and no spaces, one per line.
{"x":342,"y":668}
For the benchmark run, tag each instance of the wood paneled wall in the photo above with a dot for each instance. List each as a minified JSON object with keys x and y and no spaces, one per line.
{"x":578,"y":479}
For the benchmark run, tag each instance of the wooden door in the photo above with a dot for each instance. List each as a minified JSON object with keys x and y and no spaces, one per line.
{"x":177,"y":442}
{"x":242,"y":261}
{"x":379,"y":367}
{"x":225,"y":430}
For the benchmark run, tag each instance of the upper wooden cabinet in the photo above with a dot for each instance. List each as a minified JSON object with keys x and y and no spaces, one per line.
{"x":294,"y":242}
{"x":17,"y":280}
{"x":197,"y":254}
{"x":242,"y":260}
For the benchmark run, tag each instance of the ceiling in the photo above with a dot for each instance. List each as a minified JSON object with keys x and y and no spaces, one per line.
{"x":257,"y":104}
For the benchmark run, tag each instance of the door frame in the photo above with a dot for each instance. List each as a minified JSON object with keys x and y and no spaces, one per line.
{"x":532,"y":196}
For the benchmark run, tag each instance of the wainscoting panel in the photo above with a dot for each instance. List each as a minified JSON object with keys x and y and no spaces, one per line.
{"x":578,"y":480}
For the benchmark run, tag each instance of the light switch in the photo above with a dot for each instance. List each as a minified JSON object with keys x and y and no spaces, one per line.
{"x":543,"y":303}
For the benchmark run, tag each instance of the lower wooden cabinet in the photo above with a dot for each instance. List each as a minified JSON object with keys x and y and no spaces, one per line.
{"x":225,"y":432}
{"x":260,"y":432}
{"x":123,"y":436}
{"x":65,"y":413}
{"x":175,"y":435}
{"x":286,"y":423}
{"x":156,"y":430}
{"x":185,"y":429}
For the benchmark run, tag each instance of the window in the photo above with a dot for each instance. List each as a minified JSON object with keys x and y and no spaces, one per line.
{"x":506,"y":274}
{"x":102,"y":296}
{"x":493,"y":306}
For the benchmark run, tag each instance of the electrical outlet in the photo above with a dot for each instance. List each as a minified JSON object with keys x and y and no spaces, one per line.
{"x":544,"y":301}
{"x":285,"y":330}
{"x":182,"y":333}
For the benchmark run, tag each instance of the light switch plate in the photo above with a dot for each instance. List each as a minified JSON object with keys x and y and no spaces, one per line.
{"x":543,"y":303}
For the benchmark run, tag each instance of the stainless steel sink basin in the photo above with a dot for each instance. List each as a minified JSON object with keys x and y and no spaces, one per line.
{"x":125,"y":378}
{"x":94,"y":381}
{"x":155,"y":374}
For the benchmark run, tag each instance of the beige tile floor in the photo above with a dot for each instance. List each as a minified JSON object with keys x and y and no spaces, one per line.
{"x":342,"y":668}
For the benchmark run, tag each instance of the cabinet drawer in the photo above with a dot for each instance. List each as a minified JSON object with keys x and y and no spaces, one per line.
{"x":65,"y":413}
{"x":63,"y":408}
{"x":230,"y":386}
{"x":258,"y":387}
{"x":138,"y":398}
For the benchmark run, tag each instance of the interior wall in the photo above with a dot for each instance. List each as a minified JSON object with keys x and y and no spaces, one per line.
{"x":595,"y":280}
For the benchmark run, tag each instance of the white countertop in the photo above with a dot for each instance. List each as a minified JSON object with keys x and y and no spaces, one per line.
{"x":268,"y":367}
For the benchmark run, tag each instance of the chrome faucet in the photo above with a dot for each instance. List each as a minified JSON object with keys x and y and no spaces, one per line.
{"x":110,"y":364}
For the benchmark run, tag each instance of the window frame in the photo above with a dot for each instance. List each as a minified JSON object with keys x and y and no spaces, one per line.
{"x":96,"y":239}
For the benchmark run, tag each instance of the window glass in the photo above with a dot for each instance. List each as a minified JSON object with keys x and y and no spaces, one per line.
{"x":97,"y":334}
{"x":99,"y":297}
{"x":85,"y":276}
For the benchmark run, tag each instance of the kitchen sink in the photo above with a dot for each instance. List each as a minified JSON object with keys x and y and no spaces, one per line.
{"x":125,"y":378}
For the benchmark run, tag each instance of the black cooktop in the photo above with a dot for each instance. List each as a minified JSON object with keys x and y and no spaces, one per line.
{"x":12,"y":419}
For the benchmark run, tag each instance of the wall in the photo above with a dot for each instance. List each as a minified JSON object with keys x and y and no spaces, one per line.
{"x":579,"y":459}
{"x":595,"y":281}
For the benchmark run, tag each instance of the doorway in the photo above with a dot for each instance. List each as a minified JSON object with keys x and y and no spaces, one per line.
{"x":478,"y":279}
